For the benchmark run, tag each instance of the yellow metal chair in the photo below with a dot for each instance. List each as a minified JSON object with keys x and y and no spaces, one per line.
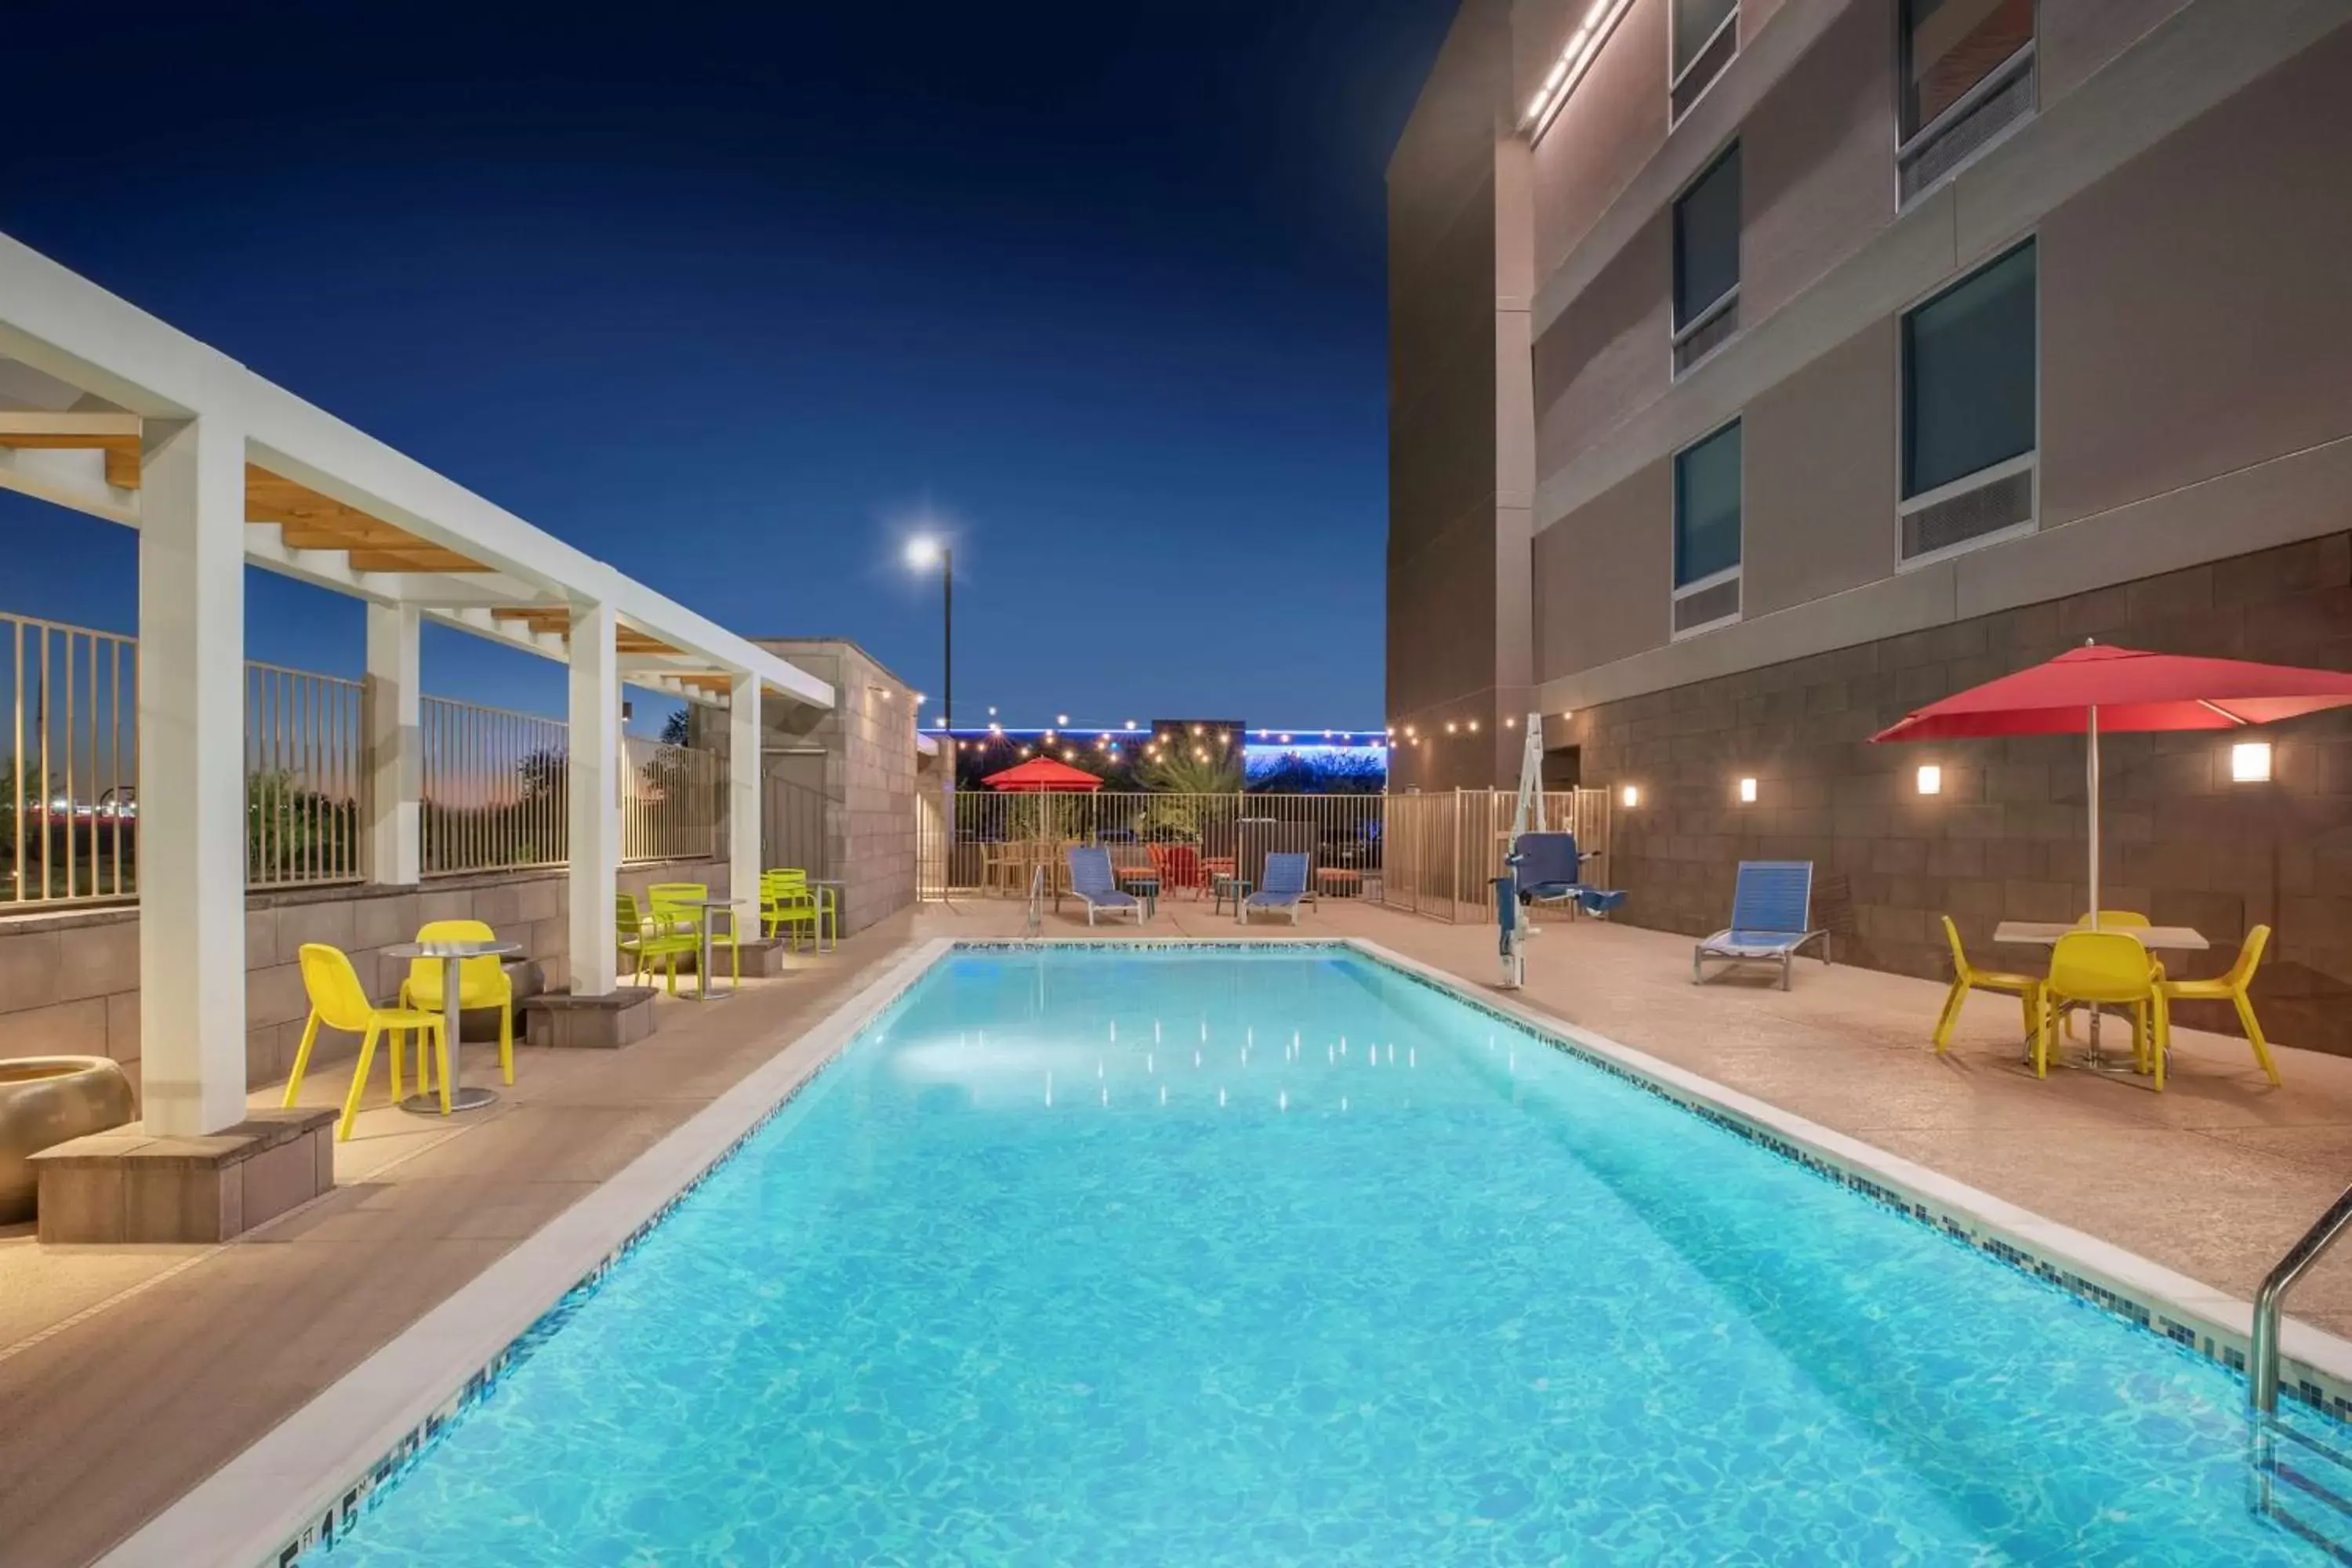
{"x":482,"y":983}
{"x":1967,"y":977}
{"x":642,"y":941}
{"x":669,"y":905}
{"x":2107,"y":968}
{"x":2232,"y":988}
{"x":339,"y":1002}
{"x":787,"y":900}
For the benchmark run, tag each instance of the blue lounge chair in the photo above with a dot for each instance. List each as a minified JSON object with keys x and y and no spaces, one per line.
{"x":1092,"y":881}
{"x":1551,"y":871}
{"x":1285,"y":889}
{"x":1771,"y":914}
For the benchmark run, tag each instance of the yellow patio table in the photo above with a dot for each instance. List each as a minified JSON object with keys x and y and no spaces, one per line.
{"x":452,"y":956}
{"x":2045,"y":933}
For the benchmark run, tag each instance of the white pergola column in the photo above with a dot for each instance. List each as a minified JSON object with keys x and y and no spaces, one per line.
{"x":743,"y":793}
{"x":595,"y":799}
{"x":395,"y":745}
{"x":191,"y":812}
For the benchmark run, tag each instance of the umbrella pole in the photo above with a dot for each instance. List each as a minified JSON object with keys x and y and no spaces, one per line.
{"x":2092,"y":1057}
{"x":2091,"y":771}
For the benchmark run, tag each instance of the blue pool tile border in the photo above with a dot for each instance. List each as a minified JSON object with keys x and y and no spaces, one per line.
{"x":2331,"y":1398}
{"x":320,"y":1533}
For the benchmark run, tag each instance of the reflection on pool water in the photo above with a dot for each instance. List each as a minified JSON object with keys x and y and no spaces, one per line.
{"x":1108,"y":1257}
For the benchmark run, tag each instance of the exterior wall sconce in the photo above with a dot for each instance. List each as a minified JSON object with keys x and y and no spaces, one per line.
{"x":1632,"y":796}
{"x":1474,"y":726}
{"x":2250,"y":763}
{"x":1748,"y":792}
{"x":1450,"y":728}
{"x":1931,"y":779}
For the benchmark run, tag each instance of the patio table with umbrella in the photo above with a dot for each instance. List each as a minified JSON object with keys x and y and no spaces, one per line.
{"x":1043,"y":775}
{"x":2100,"y":688}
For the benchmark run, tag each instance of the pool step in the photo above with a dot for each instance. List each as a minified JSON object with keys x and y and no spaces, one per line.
{"x":2315,"y":1477}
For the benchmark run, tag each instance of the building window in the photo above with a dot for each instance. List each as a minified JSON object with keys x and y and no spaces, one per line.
{"x":1707,"y":261}
{"x":1707,"y":533}
{"x":1966,"y":76}
{"x":1970,"y":408}
{"x":1705,"y":36}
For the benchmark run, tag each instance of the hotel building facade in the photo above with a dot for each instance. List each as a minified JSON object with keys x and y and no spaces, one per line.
{"x":1761,"y":370}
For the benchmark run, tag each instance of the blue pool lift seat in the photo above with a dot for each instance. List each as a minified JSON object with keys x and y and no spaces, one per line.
{"x":1094,"y":883}
{"x":1771,"y":919}
{"x":1284,"y":884}
{"x":1551,"y":871}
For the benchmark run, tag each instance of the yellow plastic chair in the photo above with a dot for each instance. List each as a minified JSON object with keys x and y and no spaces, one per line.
{"x":1967,"y":977}
{"x":2109,"y":920}
{"x":482,"y":983}
{"x":642,"y":941}
{"x":2107,"y":968}
{"x":338,"y":1001}
{"x":2232,"y":988}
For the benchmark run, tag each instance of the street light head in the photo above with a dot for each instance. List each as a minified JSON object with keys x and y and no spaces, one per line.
{"x":923,"y":553}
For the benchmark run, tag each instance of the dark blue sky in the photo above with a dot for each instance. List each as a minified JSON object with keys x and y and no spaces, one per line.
{"x":726,"y":293}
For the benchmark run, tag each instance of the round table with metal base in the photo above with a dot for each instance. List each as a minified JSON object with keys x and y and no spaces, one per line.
{"x":452,"y":956}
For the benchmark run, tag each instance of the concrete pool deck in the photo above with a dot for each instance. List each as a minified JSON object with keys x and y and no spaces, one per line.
{"x":128,"y":1373}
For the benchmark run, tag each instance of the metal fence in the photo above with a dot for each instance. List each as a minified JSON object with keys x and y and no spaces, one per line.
{"x":493,"y":793}
{"x":985,"y":842}
{"x":69,"y":784}
{"x":493,"y":781}
{"x":673,"y":802}
{"x":305,"y":777}
{"x":1444,"y":848}
{"x":1428,"y":853}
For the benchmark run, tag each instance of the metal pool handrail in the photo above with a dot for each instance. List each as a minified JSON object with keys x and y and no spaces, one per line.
{"x":2262,"y":1370}
{"x":1036,"y":920}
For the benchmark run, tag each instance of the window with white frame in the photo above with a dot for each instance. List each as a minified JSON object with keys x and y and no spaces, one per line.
{"x":1971,"y":414}
{"x":1705,"y":36}
{"x":1966,"y":77}
{"x":1707,"y":533}
{"x":1707,"y":261}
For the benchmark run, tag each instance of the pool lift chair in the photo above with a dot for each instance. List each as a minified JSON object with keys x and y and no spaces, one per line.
{"x":1540,"y":868}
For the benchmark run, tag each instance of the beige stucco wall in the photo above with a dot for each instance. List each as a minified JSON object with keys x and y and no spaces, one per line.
{"x":1603,"y":577}
{"x":1819,"y":453}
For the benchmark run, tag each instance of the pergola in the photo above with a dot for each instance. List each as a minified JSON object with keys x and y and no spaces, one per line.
{"x":107,"y":410}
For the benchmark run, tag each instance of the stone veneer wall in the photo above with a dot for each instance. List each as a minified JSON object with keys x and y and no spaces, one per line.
{"x":868,"y":741}
{"x":2007,"y":836}
{"x":69,"y":980}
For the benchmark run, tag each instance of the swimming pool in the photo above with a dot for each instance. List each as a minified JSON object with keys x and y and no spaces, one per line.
{"x":1103,"y":1256}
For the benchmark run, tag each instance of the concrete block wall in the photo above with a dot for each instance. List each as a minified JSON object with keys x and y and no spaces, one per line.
{"x":2007,"y":836}
{"x":868,"y":740}
{"x":69,"y":980}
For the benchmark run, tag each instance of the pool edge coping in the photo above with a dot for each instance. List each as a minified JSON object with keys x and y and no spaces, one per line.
{"x":2313,"y":1361}
{"x":302,"y":1481}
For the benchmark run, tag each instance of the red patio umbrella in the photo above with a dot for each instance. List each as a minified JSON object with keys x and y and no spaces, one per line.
{"x":1039,"y":773}
{"x":2101,"y":687}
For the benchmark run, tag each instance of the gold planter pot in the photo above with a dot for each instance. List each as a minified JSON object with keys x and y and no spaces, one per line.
{"x":49,"y":1100}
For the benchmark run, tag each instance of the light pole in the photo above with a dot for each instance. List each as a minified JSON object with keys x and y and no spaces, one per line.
{"x":923,"y":553}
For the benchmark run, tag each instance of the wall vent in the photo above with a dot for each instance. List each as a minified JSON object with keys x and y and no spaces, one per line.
{"x":1718,"y":603}
{"x":1710,"y":336}
{"x":1942,"y":148}
{"x":2005,"y":502}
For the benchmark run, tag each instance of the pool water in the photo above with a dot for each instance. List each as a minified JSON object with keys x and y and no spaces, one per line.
{"x":1230,"y":1257}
